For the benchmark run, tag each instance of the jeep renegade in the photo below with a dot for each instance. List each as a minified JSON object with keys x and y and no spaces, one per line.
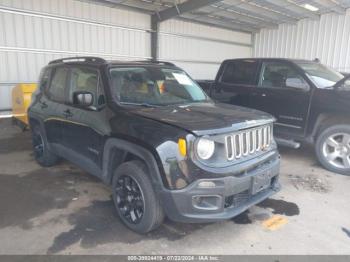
{"x":148,"y":130}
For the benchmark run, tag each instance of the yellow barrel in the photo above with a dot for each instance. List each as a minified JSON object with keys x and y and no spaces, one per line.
{"x":21,"y":99}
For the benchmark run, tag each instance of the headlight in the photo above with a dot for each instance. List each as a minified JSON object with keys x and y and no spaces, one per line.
{"x":205,"y":148}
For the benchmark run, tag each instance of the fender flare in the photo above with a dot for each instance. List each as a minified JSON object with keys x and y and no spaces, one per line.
{"x":40,"y":122}
{"x":139,"y":151}
{"x":324,"y":118}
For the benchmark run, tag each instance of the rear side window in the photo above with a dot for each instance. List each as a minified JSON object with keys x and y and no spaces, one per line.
{"x":58,"y":85}
{"x":44,"y":78}
{"x":240,"y":72}
{"x":85,"y":79}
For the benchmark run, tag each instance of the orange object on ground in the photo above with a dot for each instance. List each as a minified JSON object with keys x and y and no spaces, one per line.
{"x":21,"y":99}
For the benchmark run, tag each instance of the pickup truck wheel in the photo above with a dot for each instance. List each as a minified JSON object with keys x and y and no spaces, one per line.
{"x":42,"y":154}
{"x":333,"y":149}
{"x":135,"y":199}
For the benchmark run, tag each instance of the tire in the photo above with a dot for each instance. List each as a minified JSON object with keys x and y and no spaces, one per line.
{"x":333,"y":149}
{"x":42,"y":153}
{"x":129,"y":176}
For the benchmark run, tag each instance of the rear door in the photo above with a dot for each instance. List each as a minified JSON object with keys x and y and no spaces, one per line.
{"x":52,"y":105}
{"x":284,"y":92}
{"x":235,"y":82}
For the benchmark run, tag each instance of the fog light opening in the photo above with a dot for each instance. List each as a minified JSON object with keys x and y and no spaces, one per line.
{"x":207,"y":202}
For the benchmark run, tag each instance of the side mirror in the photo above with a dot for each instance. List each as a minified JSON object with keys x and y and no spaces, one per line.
{"x":343,"y":84}
{"x":297,"y":83}
{"x":83,"y":98}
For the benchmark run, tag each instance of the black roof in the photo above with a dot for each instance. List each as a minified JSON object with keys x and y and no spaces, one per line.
{"x":100,"y":61}
{"x":276,"y":59}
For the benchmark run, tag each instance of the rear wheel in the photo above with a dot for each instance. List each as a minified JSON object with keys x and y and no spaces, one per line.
{"x":135,"y":199}
{"x":333,"y":149}
{"x":42,"y":154}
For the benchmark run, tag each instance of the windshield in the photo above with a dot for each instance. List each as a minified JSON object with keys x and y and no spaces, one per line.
{"x":154,"y":86}
{"x":322,"y":76}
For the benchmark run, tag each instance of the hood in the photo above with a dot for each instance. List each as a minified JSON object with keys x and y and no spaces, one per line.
{"x":206,"y":118}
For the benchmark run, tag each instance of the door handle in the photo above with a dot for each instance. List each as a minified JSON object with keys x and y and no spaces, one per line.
{"x":43,"y":105}
{"x":67,"y":113}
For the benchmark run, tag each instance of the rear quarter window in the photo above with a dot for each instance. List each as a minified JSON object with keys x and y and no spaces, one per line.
{"x":44,"y":78}
{"x":241,"y":72}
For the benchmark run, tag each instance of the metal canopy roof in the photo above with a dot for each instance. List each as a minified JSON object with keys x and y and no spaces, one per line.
{"x":242,"y":15}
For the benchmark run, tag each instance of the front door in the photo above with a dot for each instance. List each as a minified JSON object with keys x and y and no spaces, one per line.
{"x":283,"y":92}
{"x":84,"y":128}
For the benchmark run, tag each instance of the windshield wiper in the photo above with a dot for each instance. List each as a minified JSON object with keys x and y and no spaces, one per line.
{"x":138,"y":104}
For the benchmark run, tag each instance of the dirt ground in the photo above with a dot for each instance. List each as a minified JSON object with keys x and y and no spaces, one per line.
{"x":63,"y":210}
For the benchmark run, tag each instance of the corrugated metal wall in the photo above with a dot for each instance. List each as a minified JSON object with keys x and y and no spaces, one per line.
{"x":327,"y":39}
{"x":199,"y":49}
{"x":33,"y":32}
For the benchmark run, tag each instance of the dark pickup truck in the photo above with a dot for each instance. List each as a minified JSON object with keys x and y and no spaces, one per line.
{"x":310,"y":101}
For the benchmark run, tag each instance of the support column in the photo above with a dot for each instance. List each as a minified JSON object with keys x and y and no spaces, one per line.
{"x":169,"y":13}
{"x":154,"y":37}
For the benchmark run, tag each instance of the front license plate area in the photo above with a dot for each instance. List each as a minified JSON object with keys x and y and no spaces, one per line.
{"x":261,"y":182}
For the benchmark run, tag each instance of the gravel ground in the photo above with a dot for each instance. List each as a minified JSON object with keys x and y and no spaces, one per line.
{"x":63,"y":210}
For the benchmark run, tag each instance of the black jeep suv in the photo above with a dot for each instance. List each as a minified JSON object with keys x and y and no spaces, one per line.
{"x":310,"y":101}
{"x":148,"y":130}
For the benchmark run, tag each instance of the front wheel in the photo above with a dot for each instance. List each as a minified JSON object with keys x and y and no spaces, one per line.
{"x":333,"y":149}
{"x":42,"y":153}
{"x":135,"y":199}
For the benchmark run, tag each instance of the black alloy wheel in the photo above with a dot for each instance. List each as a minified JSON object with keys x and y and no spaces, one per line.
{"x":135,"y":199}
{"x":38,"y":145}
{"x":42,"y":153}
{"x":130,"y":199}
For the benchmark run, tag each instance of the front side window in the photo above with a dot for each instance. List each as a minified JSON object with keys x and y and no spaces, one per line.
{"x":240,"y":72}
{"x":321,"y":75}
{"x":84,"y":80}
{"x":57,"y":88}
{"x":154,"y":86}
{"x":279,"y":75}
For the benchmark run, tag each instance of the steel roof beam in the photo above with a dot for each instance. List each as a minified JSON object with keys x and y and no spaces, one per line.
{"x":233,"y":14}
{"x":185,"y":7}
{"x":221,"y":22}
{"x":122,"y":5}
{"x":254,"y":14}
{"x":259,"y":11}
{"x":286,"y":7}
{"x":345,"y":3}
{"x":149,"y":5}
{"x":278,"y":8}
{"x":330,"y":5}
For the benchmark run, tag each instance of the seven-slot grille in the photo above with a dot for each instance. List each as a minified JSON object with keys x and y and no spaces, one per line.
{"x":248,"y":142}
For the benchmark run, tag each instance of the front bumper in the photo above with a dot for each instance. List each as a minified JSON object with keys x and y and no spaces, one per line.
{"x":209,"y":200}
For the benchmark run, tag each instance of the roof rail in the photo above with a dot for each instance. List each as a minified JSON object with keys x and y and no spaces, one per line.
{"x":156,"y":62}
{"x":91,"y":59}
